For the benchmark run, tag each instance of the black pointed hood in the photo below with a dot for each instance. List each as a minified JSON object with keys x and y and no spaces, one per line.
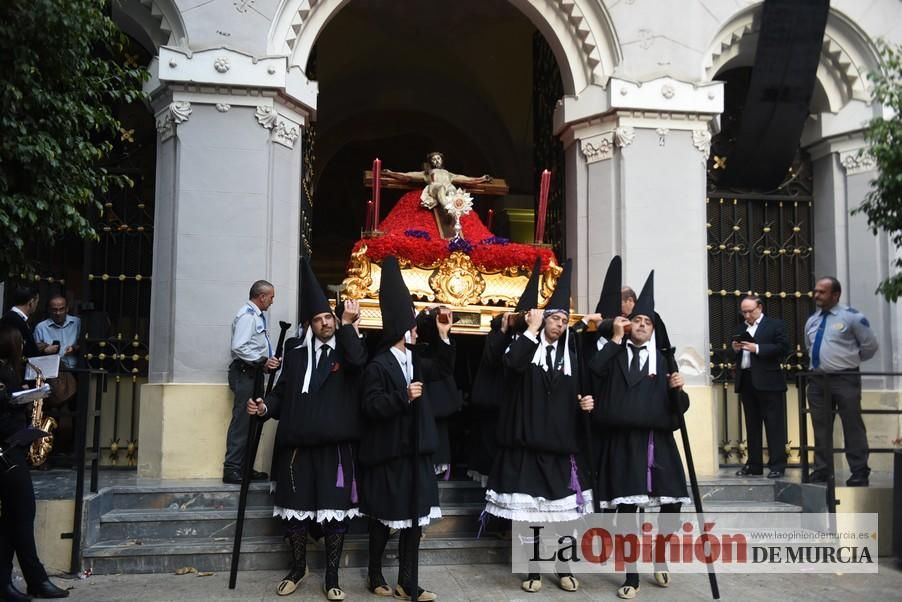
{"x":610,"y":299}
{"x":394,"y":302}
{"x":313,"y":300}
{"x":560,"y":298}
{"x":645,"y":304}
{"x":529,"y":298}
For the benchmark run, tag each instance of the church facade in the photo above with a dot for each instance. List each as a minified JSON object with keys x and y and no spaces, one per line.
{"x":265,"y":109}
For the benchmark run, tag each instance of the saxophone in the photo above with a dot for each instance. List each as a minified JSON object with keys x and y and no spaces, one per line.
{"x":40,"y":448}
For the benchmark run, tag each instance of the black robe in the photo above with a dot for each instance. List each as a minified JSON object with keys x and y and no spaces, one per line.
{"x":314,"y":465}
{"x":630,"y":414}
{"x":487,"y":397}
{"x":386,"y":447}
{"x":538,"y":436}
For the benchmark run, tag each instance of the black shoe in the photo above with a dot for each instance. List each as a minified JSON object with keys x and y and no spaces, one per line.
{"x":232,"y":477}
{"x":775,"y":474}
{"x":46,"y":589}
{"x":818,"y":476}
{"x":746,"y":471}
{"x":256,"y":475}
{"x":9,"y":593}
{"x":859,"y":479}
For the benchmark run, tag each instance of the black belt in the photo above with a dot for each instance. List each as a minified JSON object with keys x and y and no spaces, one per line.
{"x":245,"y":367}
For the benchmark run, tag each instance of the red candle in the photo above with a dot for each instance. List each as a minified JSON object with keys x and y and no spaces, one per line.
{"x":489,"y":223}
{"x":544,"y":186}
{"x":368,"y":224}
{"x":377,"y":177}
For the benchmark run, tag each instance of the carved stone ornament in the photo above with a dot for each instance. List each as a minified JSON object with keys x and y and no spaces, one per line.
{"x":221,"y":64}
{"x":176,"y":113}
{"x":457,"y":281}
{"x":598,"y":148}
{"x":223,"y":107}
{"x":667,"y":91}
{"x":662,"y":133}
{"x":266,"y":117}
{"x":242,"y":5}
{"x":857,"y":161}
{"x":284,"y":132}
{"x":701,"y":139}
{"x":624,"y":136}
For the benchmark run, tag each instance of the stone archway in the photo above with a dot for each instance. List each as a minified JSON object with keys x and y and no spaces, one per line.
{"x":580,"y":33}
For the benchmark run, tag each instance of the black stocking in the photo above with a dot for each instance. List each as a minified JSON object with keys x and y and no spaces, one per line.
{"x":335,"y":539}
{"x":668,"y":522}
{"x":624,"y":523}
{"x":378,"y":540}
{"x":296,"y":532}
{"x":408,"y":548}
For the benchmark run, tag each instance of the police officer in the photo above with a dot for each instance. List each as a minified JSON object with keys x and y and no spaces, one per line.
{"x":251,"y":348}
{"x":838,"y":339}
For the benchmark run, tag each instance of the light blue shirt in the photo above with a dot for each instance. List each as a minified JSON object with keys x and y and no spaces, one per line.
{"x":250,"y":341}
{"x":66,"y":333}
{"x":848,"y":339}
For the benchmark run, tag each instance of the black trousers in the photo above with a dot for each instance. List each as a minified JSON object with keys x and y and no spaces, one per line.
{"x":17,"y":510}
{"x":767,"y":408}
{"x":845,"y":396}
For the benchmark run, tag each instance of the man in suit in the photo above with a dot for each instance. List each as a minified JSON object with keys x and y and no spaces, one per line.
{"x":760,"y":344}
{"x":24,"y":303}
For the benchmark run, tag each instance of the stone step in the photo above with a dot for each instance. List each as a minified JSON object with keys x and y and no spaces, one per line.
{"x":271,"y":553}
{"x":214,"y":495}
{"x":141,"y":524}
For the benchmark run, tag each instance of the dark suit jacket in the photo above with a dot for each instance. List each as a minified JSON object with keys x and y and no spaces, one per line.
{"x":773,"y":347}
{"x":14,"y":319}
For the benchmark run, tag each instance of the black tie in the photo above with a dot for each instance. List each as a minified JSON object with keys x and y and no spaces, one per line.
{"x":323,"y":358}
{"x":549,"y":357}
{"x":635,"y":367}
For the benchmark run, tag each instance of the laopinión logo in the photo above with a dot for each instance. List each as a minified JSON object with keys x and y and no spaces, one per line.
{"x":741,"y":543}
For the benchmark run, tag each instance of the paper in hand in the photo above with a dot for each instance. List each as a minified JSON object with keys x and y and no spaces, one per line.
{"x":30,"y":395}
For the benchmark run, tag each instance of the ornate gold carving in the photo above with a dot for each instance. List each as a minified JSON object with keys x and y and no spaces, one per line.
{"x":456,"y":281}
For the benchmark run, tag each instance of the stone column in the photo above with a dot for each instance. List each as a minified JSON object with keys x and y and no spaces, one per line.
{"x":227,"y":214}
{"x":636,"y":186}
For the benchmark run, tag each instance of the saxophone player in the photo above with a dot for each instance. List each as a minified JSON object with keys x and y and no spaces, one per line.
{"x":17,"y":505}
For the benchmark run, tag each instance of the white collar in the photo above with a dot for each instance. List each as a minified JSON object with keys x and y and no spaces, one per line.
{"x":20,"y":312}
{"x":756,"y":322}
{"x":319,"y":344}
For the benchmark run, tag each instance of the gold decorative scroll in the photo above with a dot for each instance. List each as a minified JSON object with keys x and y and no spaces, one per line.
{"x":454,"y":281}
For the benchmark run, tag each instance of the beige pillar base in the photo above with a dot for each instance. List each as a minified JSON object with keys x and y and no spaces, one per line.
{"x":183,"y":430}
{"x":702,"y":427}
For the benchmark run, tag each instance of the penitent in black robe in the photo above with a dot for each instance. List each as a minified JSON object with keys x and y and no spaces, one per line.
{"x":639,"y":462}
{"x":386,"y":447}
{"x":314,"y":467}
{"x":487,"y":397}
{"x":536,"y":475}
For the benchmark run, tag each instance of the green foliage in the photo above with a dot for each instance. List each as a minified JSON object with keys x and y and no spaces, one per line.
{"x":58,"y":83}
{"x":883,"y":204}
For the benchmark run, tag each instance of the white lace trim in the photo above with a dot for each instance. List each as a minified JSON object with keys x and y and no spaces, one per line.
{"x":643,"y":501}
{"x":477,"y":476}
{"x":524,"y":507}
{"x":441,"y":468}
{"x":434,"y":513}
{"x":321,"y":516}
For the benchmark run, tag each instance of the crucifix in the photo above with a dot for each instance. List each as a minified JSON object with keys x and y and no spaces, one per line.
{"x":445,"y":193}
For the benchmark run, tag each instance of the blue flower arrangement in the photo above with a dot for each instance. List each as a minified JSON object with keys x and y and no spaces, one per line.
{"x":460,"y":244}
{"x":495,"y":240}
{"x":417,"y":234}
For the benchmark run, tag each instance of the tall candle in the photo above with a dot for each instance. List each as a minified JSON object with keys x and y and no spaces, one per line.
{"x":489,"y":223}
{"x":368,"y":224}
{"x":543,"y":205}
{"x":377,"y":191}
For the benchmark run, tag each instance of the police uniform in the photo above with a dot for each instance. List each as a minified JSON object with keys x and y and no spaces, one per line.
{"x":838,"y":340}
{"x":250,"y":346}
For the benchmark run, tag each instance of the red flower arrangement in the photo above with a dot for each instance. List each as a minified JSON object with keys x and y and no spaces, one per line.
{"x":335,"y":367}
{"x":407,"y":215}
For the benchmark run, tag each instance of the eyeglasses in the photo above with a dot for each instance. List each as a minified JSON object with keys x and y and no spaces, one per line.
{"x":748,"y":311}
